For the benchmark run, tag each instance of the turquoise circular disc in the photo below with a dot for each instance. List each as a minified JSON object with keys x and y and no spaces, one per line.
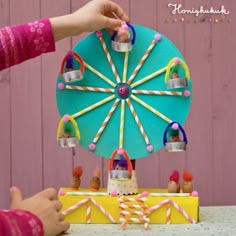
{"x":133,"y":139}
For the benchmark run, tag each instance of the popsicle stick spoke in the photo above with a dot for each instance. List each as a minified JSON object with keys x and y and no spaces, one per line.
{"x":93,"y":89}
{"x":106,"y":51}
{"x":149,"y":77}
{"x":141,"y":62}
{"x":99,"y":74}
{"x":125,"y":67}
{"x":95,"y":105}
{"x":157,"y":92}
{"x":105,"y":122}
{"x":122,"y":120}
{"x":156,"y":112}
{"x":138,"y":122}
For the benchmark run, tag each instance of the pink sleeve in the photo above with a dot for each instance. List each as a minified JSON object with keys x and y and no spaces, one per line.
{"x":22,"y":42}
{"x":20,"y":223}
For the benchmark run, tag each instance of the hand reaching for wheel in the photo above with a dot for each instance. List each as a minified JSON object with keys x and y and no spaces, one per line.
{"x":44,"y":205}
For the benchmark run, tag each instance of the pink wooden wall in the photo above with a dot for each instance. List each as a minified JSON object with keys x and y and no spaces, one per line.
{"x":29,"y":155}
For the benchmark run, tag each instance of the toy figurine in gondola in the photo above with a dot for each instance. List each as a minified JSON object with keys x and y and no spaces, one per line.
{"x":69,"y":67}
{"x":123,"y":39}
{"x":177,"y":74}
{"x":68,"y":133}
{"x":172,"y":139}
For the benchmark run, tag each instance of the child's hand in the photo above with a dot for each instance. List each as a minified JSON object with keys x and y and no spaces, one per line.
{"x":98,"y":14}
{"x":44,"y":205}
{"x":93,"y":16}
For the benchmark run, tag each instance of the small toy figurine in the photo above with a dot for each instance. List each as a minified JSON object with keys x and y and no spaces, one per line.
{"x":187,"y":185}
{"x":69,"y":61}
{"x":120,"y":167}
{"x":95,"y":182}
{"x":76,"y":174}
{"x":67,"y":130}
{"x":173,"y":184}
{"x":174,"y":75}
{"x":123,"y":34}
{"x":174,"y":135}
{"x":121,"y":164}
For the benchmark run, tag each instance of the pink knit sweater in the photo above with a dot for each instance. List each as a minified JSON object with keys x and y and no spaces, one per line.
{"x":22,"y":42}
{"x":17,"y":44}
{"x":20,"y":223}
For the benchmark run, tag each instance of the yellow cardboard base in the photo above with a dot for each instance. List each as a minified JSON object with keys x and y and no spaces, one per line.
{"x":102,"y":209}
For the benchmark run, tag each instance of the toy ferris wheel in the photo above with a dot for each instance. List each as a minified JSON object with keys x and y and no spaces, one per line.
{"x":127,"y":94}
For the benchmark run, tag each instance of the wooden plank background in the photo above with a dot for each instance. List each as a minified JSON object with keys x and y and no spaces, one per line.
{"x":29,"y":155}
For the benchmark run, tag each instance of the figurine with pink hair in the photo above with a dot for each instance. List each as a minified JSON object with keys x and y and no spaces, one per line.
{"x":173,"y":184}
{"x":123,"y":34}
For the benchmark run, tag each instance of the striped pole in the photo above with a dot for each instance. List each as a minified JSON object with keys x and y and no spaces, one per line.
{"x":151,"y":109}
{"x":95,"y":105}
{"x":86,"y":194}
{"x":125,"y":66}
{"x":138,"y":122}
{"x":146,"y":54}
{"x":168,"y":213}
{"x":103,"y":77}
{"x":88,"y":212}
{"x":106,"y":213}
{"x":159,"y":205}
{"x":169,"y":194}
{"x":93,"y":89}
{"x":105,"y":122}
{"x":122,"y":119}
{"x":77,"y":205}
{"x":156,"y":92}
{"x":109,"y":59}
{"x":149,"y":77}
{"x":183,"y":212}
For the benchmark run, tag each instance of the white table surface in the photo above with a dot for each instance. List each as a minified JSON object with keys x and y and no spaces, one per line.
{"x":213,"y":221}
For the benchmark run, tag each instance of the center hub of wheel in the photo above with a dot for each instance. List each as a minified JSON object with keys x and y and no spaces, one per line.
{"x":123,"y":90}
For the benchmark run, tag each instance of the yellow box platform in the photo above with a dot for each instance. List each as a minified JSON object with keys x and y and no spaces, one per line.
{"x":83,"y":206}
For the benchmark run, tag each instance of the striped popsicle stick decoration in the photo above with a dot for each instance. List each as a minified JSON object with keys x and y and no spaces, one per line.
{"x":159,"y":205}
{"x":149,"y":77}
{"x":132,"y":199}
{"x":122,"y":121}
{"x":95,"y":105}
{"x":157,"y":92}
{"x":131,"y":206}
{"x":138,"y":122}
{"x":144,"y":57}
{"x":133,"y":219}
{"x":88,"y":212}
{"x":76,"y":206}
{"x":86,"y":194}
{"x":106,"y":213}
{"x":105,"y":122}
{"x":125,"y":67}
{"x":99,"y":74}
{"x":93,"y":89}
{"x":183,"y":212}
{"x":108,"y":57}
{"x":124,"y":213}
{"x":169,"y":194}
{"x":168,"y":213}
{"x":165,"y":118}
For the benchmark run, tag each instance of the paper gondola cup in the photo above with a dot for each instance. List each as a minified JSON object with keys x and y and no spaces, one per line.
{"x":72,"y":75}
{"x":123,"y":46}
{"x":178,"y":145}
{"x":122,"y":181}
{"x":65,"y":142}
{"x":177,"y":82}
